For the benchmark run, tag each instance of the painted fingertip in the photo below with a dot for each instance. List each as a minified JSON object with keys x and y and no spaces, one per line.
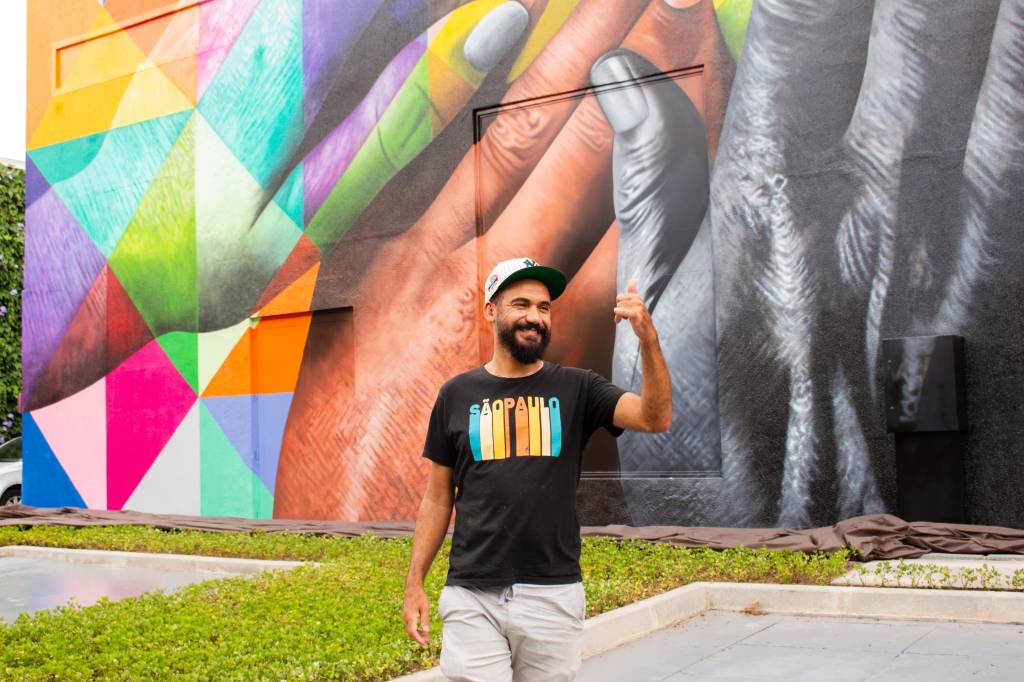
{"x":495,"y":35}
{"x":623,"y":104}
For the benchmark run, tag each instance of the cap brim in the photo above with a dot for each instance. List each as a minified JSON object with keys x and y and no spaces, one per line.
{"x":553,"y":279}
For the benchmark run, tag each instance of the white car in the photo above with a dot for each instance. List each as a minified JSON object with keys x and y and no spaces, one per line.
{"x":10,"y":472}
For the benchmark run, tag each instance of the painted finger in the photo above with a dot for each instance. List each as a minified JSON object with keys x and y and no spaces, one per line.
{"x":517,"y":137}
{"x":908,"y":98}
{"x":453,"y":59}
{"x":767,"y":105}
{"x":992,"y":163}
{"x":660,"y":170}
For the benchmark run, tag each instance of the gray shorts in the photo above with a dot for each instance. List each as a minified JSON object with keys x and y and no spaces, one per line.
{"x":522,"y":633}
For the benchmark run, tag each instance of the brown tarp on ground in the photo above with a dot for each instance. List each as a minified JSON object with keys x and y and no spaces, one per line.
{"x":878,"y":536}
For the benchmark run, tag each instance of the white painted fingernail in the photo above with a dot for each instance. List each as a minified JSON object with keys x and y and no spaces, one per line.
{"x":495,"y":34}
{"x":624,"y":104}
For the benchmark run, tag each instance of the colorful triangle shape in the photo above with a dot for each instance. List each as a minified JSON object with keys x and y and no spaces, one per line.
{"x":44,"y":482}
{"x":214,"y":348}
{"x":234,"y":415}
{"x":155,"y":259}
{"x":150,"y":94}
{"x":183,"y":350}
{"x":89,"y":173}
{"x":227,"y":486}
{"x":219,"y":25}
{"x":146,"y":401}
{"x":76,"y":430}
{"x":81,"y":356}
{"x":272,"y":411}
{"x":61,"y":266}
{"x":126,"y":330}
{"x":304,"y":256}
{"x":171,"y":486}
{"x":296,"y":298}
{"x":278,"y":347}
{"x":234,"y":377}
{"x":261,"y":125}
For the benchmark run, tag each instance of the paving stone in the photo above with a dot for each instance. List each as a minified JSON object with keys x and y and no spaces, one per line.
{"x":752,"y":662}
{"x":723,"y":645}
{"x":669,"y":651}
{"x":973,"y":640}
{"x":853,"y":635}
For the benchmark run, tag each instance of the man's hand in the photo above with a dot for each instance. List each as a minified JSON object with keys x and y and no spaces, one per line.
{"x":629,"y":306}
{"x":417,"y":613}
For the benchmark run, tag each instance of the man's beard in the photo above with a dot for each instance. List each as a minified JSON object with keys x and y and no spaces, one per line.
{"x":525,"y":353}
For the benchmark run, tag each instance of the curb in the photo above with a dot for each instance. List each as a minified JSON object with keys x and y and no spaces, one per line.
{"x":623,"y":625}
{"x":166,"y":562}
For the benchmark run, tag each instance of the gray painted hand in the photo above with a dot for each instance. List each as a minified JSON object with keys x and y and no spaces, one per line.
{"x":660,"y":175}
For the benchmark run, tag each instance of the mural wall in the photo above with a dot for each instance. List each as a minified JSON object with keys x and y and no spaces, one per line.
{"x":257,"y":232}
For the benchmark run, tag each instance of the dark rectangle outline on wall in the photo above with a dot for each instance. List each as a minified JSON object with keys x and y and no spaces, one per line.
{"x":482,"y":117}
{"x":58,"y":47}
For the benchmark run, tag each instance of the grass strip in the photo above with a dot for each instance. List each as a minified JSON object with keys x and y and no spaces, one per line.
{"x":337,"y":621}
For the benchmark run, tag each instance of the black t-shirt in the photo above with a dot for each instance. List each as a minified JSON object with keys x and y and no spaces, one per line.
{"x":516,"y":445}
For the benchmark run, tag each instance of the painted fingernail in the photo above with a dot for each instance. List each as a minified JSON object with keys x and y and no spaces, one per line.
{"x":623,"y":102}
{"x":495,"y":35}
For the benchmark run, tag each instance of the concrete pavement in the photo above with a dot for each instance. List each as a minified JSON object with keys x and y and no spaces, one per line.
{"x":721,"y":645}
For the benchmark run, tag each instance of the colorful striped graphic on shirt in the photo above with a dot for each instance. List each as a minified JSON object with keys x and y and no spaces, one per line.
{"x":533,"y":423}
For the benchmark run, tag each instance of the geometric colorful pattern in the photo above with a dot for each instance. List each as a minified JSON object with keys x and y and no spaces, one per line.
{"x":187,"y":175}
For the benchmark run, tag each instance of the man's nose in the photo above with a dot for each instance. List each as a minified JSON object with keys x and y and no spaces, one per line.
{"x":533,"y":315}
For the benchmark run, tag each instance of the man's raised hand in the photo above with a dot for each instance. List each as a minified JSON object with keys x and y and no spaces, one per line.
{"x":629,"y":306}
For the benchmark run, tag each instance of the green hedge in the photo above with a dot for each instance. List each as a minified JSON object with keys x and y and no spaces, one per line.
{"x":337,"y":621}
{"x":12,"y":257}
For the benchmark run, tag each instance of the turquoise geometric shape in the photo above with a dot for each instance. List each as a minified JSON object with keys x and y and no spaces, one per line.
{"x":290,"y":196}
{"x":255,"y":101}
{"x":228,"y":487}
{"x":102,"y":178}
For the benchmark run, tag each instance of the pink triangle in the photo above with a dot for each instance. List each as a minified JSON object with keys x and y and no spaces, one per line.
{"x":146,"y":400}
{"x":76,"y":429}
{"x":219,"y":25}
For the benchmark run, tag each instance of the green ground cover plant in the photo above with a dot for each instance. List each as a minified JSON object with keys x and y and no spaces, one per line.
{"x":940,"y":577}
{"x":339,"y":620}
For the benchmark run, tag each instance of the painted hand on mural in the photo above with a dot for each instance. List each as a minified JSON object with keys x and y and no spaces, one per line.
{"x":661,"y":179}
{"x":892,"y":233}
{"x":522,"y":155}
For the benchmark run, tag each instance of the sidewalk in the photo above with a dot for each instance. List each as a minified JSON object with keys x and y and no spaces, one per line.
{"x":745,"y":631}
{"x":720,"y":645}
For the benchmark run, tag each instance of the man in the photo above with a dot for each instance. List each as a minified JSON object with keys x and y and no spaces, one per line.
{"x":505,"y":441}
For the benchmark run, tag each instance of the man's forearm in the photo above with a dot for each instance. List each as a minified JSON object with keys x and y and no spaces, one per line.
{"x":656,"y":392}
{"x":431,"y":525}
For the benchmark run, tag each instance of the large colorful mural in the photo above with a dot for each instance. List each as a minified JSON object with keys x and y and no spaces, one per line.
{"x":257,"y":230}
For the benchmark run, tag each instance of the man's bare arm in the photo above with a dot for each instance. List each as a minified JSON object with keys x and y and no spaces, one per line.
{"x":651,"y":410}
{"x":431,"y":525}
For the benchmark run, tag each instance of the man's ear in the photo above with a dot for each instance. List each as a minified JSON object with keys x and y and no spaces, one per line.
{"x":490,"y":311}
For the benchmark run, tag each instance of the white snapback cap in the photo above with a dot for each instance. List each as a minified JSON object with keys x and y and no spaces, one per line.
{"x":515,"y":269}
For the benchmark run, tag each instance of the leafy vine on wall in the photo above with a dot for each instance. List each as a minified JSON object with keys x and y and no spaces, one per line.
{"x":12,"y":258}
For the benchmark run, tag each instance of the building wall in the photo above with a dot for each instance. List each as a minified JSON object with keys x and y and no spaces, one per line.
{"x":258,"y":229}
